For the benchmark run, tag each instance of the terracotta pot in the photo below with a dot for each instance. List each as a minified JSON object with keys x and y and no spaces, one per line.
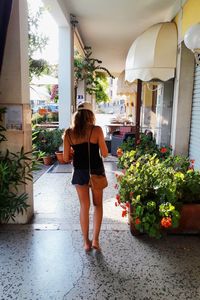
{"x":59,"y":156}
{"x":48,"y":160}
{"x":189,"y":221}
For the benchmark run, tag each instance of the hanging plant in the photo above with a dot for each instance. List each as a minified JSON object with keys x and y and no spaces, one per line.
{"x":90,"y":69}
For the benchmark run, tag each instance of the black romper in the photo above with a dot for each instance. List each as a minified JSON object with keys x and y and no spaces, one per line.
{"x":81,"y":161}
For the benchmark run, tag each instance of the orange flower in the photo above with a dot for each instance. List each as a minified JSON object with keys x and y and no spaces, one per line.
{"x":119,"y":152}
{"x":137,"y":221}
{"x":166,"y":222}
{"x":192,"y":161}
{"x":163,"y":150}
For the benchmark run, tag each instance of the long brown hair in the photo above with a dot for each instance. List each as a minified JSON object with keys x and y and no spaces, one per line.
{"x":81,"y":121}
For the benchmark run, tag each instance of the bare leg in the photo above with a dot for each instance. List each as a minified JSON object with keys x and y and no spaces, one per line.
{"x":84,"y":198}
{"x":98,"y":214}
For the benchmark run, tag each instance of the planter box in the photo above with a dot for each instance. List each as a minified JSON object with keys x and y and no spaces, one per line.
{"x":189,"y":221}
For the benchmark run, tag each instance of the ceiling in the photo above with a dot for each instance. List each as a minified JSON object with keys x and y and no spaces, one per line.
{"x":111,"y":26}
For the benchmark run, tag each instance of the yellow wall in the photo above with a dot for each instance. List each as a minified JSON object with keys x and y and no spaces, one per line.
{"x":147,"y":96}
{"x":190,"y":15}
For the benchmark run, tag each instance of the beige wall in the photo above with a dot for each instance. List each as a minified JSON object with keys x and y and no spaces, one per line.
{"x":14,"y":88}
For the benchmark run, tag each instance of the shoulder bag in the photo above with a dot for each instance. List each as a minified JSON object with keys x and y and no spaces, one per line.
{"x":96,"y":182}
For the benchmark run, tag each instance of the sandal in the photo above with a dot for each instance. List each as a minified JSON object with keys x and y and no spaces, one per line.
{"x":88,"y":246}
{"x":95,"y":245}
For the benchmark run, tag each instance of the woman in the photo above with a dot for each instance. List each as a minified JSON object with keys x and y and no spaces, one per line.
{"x":77,"y":138}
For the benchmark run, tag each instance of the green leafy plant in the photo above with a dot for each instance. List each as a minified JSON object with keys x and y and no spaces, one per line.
{"x":145,"y":145}
{"x":156,"y":189}
{"x":37,"y":42}
{"x":90,"y":69}
{"x":47,"y":141}
{"x":15,"y":169}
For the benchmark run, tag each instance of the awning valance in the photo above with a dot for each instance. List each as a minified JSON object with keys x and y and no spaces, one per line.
{"x":124,"y":87}
{"x":153,"y":54}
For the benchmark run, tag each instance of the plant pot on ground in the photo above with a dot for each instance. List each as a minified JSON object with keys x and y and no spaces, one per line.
{"x":59,"y":156}
{"x":189,"y":220}
{"x":164,"y":195}
{"x":47,"y":141}
{"x":48,"y":160}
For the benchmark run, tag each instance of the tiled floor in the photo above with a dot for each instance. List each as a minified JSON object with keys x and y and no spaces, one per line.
{"x":45,"y":260}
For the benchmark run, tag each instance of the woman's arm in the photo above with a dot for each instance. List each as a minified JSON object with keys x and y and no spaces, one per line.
{"x":101,"y":142}
{"x":67,"y":148}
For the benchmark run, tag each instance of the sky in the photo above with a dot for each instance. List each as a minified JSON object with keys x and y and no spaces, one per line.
{"x":49,"y":28}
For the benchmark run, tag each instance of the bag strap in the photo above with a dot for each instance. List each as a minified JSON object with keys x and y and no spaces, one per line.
{"x":89,"y":150}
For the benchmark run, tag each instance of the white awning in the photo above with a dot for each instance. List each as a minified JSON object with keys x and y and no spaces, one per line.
{"x":153,"y":54}
{"x":125,"y":87}
{"x":44,"y":80}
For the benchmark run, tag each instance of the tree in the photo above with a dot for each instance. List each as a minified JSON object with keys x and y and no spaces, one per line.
{"x":37,"y":42}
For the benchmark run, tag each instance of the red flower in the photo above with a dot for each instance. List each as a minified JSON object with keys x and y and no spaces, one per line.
{"x":191,"y":168}
{"x":127,"y":204}
{"x":192,"y":161}
{"x":116,"y":204}
{"x":124,"y":213}
{"x":116,"y":186}
{"x":166,"y":222}
{"x":138,"y":142}
{"x":118,"y":197}
{"x":163,"y":150}
{"x":137,"y":221}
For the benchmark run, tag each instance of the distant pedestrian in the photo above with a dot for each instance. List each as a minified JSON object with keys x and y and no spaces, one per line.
{"x":82,"y":132}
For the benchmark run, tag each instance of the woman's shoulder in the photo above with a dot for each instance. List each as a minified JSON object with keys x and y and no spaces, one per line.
{"x":68,"y":130}
{"x":97,"y":128}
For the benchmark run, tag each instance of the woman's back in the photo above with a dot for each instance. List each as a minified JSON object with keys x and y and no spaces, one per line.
{"x":82,"y":149}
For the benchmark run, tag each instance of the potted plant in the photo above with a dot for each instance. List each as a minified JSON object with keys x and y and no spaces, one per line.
{"x":48,"y":142}
{"x":15,"y":169}
{"x":160,"y":195}
{"x":58,"y":141}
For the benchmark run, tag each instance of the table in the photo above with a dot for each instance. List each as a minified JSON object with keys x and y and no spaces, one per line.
{"x":113,"y":127}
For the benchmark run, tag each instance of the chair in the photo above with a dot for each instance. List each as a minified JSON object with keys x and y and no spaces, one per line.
{"x":120,"y":136}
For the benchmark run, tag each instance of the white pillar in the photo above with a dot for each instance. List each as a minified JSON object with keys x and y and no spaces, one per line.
{"x":14,"y":89}
{"x":65,"y":75}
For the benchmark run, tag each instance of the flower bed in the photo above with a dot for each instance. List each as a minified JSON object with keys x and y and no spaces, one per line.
{"x":155,"y":190}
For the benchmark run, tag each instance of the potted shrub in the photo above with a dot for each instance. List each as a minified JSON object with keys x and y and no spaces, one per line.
{"x":58,"y":141}
{"x":15,"y":169}
{"x":159,"y":194}
{"x":48,"y":142}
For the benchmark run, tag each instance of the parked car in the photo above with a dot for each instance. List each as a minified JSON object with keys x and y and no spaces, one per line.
{"x":52,"y":107}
